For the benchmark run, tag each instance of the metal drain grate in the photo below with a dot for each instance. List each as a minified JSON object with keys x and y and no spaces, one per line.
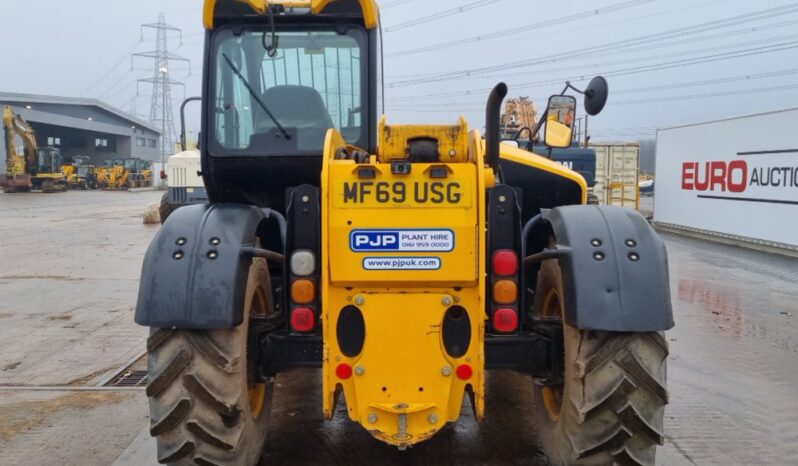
{"x":129,"y":379}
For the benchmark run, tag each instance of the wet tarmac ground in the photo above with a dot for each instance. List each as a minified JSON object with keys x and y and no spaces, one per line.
{"x":69,"y":265}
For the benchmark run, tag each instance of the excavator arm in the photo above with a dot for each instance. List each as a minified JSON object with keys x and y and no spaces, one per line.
{"x":19,"y":164}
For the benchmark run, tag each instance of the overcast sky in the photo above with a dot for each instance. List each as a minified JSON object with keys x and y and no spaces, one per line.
{"x":668,"y":62}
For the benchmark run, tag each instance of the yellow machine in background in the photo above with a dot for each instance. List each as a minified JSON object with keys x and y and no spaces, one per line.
{"x":119,"y":174}
{"x":113,"y":175}
{"x":71,"y":174}
{"x":80,"y":174}
{"x":34,"y":167}
{"x":139,"y":173}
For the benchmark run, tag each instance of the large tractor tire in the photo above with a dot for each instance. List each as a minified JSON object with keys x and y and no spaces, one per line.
{"x":205,"y":407}
{"x":165,"y":209}
{"x":608,"y":407}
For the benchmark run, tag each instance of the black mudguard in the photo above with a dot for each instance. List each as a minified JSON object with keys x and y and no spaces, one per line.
{"x":188,"y":281}
{"x":621,"y":284}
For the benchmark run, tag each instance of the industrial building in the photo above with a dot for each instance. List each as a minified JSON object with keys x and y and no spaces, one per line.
{"x":81,"y":126}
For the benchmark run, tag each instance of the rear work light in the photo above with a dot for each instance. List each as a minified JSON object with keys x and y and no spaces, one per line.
{"x":505,"y":263}
{"x":303,"y":263}
{"x":505,"y":320}
{"x":303,"y":320}
{"x":303,"y":291}
{"x":505,"y":292}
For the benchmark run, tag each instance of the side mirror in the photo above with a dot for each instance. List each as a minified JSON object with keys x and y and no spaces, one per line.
{"x":596,"y":95}
{"x":183,"y":120}
{"x":560,"y":121}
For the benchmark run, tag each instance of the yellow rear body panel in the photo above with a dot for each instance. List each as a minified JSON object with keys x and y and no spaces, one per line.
{"x":404,"y":386}
{"x":435,"y":220}
{"x":452,"y":140}
{"x":403,"y":248}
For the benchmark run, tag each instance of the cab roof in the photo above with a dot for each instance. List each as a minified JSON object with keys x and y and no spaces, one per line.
{"x":214,"y":9}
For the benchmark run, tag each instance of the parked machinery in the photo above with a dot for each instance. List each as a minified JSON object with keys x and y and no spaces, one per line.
{"x":34,"y":167}
{"x":184,"y":180}
{"x":403,"y":260}
{"x":85,"y":172}
{"x":139,"y":172}
{"x":113,"y":175}
{"x":579,"y":159}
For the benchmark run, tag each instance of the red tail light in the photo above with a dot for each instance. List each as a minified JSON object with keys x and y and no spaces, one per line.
{"x":505,"y":263}
{"x":303,"y":319}
{"x":343,"y":371}
{"x":464,"y":372}
{"x":505,"y":320}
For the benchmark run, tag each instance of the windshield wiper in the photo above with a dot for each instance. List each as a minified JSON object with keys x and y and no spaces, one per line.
{"x":255,"y":96}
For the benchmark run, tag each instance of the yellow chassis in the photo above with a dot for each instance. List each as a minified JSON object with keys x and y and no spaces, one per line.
{"x":403,"y":387}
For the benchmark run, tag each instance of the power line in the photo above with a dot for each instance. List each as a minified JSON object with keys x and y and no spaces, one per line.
{"x":648,"y":47}
{"x":708,"y":95}
{"x":622,"y":44}
{"x":708,"y":82}
{"x":440,"y":15}
{"x":628,"y":71}
{"x":521,"y":29}
{"x":395,"y":3}
{"x":116,"y":86}
{"x":113,"y":68}
{"x":659,"y":88}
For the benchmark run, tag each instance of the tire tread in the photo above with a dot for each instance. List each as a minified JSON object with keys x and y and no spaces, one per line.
{"x":164,"y":378}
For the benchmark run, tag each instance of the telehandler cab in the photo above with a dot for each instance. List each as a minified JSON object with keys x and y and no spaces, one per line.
{"x":404,"y":261}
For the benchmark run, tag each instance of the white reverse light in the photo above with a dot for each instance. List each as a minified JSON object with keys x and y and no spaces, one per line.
{"x":303,"y":263}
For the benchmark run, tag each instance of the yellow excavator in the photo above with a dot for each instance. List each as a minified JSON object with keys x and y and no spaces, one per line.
{"x":34,"y":167}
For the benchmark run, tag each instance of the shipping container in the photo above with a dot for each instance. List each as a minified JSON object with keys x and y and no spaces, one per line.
{"x":617,"y":173}
{"x":735,"y":180}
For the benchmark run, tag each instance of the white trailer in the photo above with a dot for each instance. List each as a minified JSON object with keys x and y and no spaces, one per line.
{"x":734,"y":180}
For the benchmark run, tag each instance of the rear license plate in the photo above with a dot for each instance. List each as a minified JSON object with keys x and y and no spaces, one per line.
{"x":448,"y":193}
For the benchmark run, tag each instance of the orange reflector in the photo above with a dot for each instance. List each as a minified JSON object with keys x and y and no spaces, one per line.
{"x":303,"y":319}
{"x":505,"y":292}
{"x":464,"y":372}
{"x":343,"y":371}
{"x":303,"y":291}
{"x":505,"y":320}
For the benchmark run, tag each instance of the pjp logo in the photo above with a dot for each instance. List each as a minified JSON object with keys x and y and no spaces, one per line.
{"x":361,"y":240}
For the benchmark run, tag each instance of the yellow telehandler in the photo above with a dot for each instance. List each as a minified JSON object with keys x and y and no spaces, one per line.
{"x":404,"y":261}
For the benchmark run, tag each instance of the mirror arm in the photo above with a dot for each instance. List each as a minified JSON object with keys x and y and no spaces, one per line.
{"x":568,"y":85}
